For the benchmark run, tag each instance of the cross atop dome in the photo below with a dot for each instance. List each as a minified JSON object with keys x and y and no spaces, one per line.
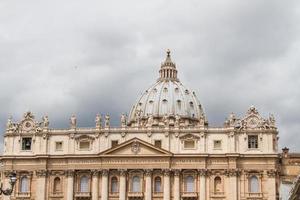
{"x":168,"y":69}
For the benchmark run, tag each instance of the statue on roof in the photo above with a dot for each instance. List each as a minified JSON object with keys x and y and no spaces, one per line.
{"x":73,"y":121}
{"x":123,"y":120}
{"x":98,"y":121}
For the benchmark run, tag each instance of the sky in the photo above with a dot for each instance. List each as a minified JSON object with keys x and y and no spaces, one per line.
{"x":59,"y":58}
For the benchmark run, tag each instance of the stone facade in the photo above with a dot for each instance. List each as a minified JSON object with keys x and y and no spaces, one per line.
{"x":155,"y":155}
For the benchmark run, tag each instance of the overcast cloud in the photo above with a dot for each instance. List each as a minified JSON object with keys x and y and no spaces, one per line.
{"x":85,"y":57}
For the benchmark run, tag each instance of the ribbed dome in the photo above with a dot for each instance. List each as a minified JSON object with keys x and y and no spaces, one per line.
{"x":167,"y":97}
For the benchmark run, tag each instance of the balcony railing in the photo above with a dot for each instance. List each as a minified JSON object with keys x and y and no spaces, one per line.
{"x":157,"y":194}
{"x":82,"y":194}
{"x":135,"y":194}
{"x":189,"y":194}
{"x":254,"y":195}
{"x":57,"y":194}
{"x":218,"y":195}
{"x":23,"y":195}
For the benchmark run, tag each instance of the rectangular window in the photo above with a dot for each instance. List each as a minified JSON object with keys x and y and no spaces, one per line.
{"x":252,"y":141}
{"x":84,"y":145}
{"x":58,"y":146}
{"x":189,"y":144}
{"x":157,"y":143}
{"x":114,"y":143}
{"x":217,"y":144}
{"x":26,"y":144}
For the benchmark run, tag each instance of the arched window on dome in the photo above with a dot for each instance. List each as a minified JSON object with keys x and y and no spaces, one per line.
{"x":189,"y":184}
{"x":114,"y":185}
{"x":136,"y":184}
{"x":56,"y":185}
{"x":179,"y":104}
{"x":253,"y":184}
{"x":24,"y":184}
{"x":164,"y":106}
{"x":157,"y":184}
{"x":84,"y":184}
{"x":217,"y":184}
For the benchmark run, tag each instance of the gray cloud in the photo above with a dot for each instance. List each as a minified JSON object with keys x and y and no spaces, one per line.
{"x":59,"y":58}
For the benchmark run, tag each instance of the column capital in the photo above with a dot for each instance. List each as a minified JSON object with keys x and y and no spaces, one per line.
{"x":177,"y":172}
{"x":94,"y":172}
{"x":148,"y":172}
{"x":122,"y":172}
{"x":232,"y":172}
{"x":166,"y":172}
{"x":41,"y":173}
{"x":272,"y":173}
{"x":70,"y":173}
{"x":203,"y":172}
{"x":105,"y":172}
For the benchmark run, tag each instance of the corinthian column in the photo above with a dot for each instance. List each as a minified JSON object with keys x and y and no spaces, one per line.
{"x":70,"y":184}
{"x":177,"y":184}
{"x":122,"y":190}
{"x":233,"y":178}
{"x":104,"y":191}
{"x":95,"y":182}
{"x":202,"y":189}
{"x":148,"y":174}
{"x":41,"y":184}
{"x":166,"y":184}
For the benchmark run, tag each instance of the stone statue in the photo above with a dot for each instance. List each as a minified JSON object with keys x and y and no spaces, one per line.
{"x":98,"y":121}
{"x":73,"y":121}
{"x":177,"y":121}
{"x":107,"y":123}
{"x":150,"y":121}
{"x":9,"y":124}
{"x":123,"y":120}
{"x":46,"y":121}
{"x":232,"y":119}
{"x":202,"y":120}
{"x":166,"y":120}
{"x":272,"y":120}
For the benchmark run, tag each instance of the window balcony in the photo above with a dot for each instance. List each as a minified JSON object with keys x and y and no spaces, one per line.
{"x":82,"y":194}
{"x":218,"y":195}
{"x":23,"y":195}
{"x":254,"y":195}
{"x":158,"y":194}
{"x":57,"y":195}
{"x":189,"y":195}
{"x":114,"y":194}
{"x":135,"y":194}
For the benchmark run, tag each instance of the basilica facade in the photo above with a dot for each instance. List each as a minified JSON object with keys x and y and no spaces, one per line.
{"x":164,"y":150}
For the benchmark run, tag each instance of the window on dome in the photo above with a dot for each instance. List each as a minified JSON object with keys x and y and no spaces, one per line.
{"x":84,"y":145}
{"x":189,"y":144}
{"x":179,"y":104}
{"x":187,"y":92}
{"x":150,"y":101}
{"x":252,"y":141}
{"x":176,"y":89}
{"x":157,"y":143}
{"x":26,"y":144}
{"x":114,"y":143}
{"x":191,"y":104}
{"x":165,"y":100}
{"x":217,"y":144}
{"x":165,"y":89}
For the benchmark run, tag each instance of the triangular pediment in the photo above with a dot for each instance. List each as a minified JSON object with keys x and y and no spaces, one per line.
{"x":135,"y":147}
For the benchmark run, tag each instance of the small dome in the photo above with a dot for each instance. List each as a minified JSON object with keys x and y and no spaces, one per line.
{"x":167,"y":97}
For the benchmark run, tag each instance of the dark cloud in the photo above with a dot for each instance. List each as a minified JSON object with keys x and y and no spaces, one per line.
{"x":60,"y":58}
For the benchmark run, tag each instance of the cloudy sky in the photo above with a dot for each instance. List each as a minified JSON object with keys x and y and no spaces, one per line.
{"x":85,"y":57}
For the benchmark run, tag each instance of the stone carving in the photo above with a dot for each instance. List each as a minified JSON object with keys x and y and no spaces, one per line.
{"x":166,"y":120}
{"x":148,"y":172}
{"x":150,"y":121}
{"x":202,"y":120}
{"x":135,"y":147}
{"x":73,"y":122}
{"x":177,"y":121}
{"x":107,"y":121}
{"x":98,"y":121}
{"x":69,"y":173}
{"x":138,"y":117}
{"x":105,"y":172}
{"x":272,"y":173}
{"x":41,"y":173}
{"x":45,"y":122}
{"x":166,"y":172}
{"x":95,"y":172}
{"x":202,"y":172}
{"x":123,"y":120}
{"x":232,"y":172}
{"x":122,"y":172}
{"x":252,"y":120}
{"x":177,"y":172}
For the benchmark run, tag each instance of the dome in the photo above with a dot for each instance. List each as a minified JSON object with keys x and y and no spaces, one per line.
{"x":167,"y":98}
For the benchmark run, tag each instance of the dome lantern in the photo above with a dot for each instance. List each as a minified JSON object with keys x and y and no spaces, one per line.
{"x":168,"y":69}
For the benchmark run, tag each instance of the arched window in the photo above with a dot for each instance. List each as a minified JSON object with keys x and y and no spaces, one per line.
{"x":189,"y":182}
{"x":56,"y":185}
{"x":218,"y":184}
{"x":24,"y":184}
{"x":157,"y":184}
{"x":136,"y":186}
{"x":254,"y":185}
{"x":84,"y":184}
{"x":114,"y":184}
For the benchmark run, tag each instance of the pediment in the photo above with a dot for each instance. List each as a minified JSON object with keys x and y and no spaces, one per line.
{"x":135,"y":147}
